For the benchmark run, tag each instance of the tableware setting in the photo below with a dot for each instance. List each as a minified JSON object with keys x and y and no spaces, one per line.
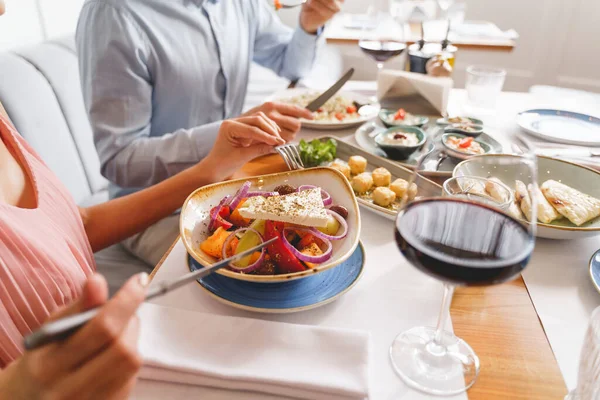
{"x":462,"y":237}
{"x":400,"y":117}
{"x":570,"y":194}
{"x":400,"y":143}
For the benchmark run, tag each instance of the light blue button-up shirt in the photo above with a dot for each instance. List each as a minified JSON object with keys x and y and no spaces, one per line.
{"x":158,"y":76}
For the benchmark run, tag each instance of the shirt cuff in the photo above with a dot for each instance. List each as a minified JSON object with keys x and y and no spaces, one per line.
{"x":305,"y":39}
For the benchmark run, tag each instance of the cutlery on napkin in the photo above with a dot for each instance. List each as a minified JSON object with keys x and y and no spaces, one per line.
{"x":299,"y":361}
{"x":416,"y":93}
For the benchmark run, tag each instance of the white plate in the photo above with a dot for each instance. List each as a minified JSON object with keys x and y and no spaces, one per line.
{"x":561,"y":126}
{"x":326,"y":125}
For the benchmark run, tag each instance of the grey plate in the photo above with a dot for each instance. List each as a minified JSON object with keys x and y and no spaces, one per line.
{"x":595,"y":270}
{"x":445,"y":168}
{"x":346,"y":150}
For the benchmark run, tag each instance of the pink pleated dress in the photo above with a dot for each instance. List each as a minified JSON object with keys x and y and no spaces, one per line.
{"x":45,"y":256}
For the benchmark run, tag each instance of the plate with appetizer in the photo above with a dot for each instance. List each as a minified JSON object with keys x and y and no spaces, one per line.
{"x":340,"y":112}
{"x":568,"y":195}
{"x":438,"y":162}
{"x":379,"y":184}
{"x":458,"y":121}
{"x":400,"y":117}
{"x":313,"y":212}
{"x":285,"y":297}
{"x":463,"y":147}
{"x":561,"y":126}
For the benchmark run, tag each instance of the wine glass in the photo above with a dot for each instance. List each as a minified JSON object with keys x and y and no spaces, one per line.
{"x":466,"y":236}
{"x":377,"y":42}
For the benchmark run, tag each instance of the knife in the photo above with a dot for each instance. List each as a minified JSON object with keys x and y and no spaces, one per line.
{"x":558,"y":152}
{"x":63,"y":328}
{"x":329,"y":93}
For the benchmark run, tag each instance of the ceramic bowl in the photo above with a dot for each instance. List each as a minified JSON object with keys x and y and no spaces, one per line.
{"x":584,"y":179}
{"x":399,"y":151}
{"x":473,"y":130}
{"x":194,"y":219}
{"x":459,"y":154}
{"x":387,"y":117}
{"x":445,"y":121}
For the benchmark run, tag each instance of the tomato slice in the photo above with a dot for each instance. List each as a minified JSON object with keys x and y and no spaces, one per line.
{"x":221,"y":220}
{"x":350,"y":109}
{"x":465,"y":143}
{"x":400,"y":115}
{"x":339,"y":116}
{"x":285,"y":261}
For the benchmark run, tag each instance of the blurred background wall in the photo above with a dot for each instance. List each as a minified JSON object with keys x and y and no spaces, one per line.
{"x":558,"y":43}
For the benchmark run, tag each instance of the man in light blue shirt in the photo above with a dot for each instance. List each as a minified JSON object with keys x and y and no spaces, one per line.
{"x":159,"y":76}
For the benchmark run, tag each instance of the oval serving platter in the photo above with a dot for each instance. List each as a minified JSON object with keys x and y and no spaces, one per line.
{"x":285,"y":297}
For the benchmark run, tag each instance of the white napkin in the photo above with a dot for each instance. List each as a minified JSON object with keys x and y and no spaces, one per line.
{"x":416,"y":93}
{"x":300,"y":361}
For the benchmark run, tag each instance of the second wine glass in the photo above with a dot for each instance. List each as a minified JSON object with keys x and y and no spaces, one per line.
{"x":464,"y":237}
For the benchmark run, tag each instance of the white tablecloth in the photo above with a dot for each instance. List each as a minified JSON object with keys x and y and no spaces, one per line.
{"x":391,"y":297}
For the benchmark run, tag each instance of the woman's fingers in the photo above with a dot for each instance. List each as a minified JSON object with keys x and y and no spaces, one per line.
{"x":94,"y":294}
{"x":292,"y":111}
{"x":105,"y":376}
{"x":257,"y":128}
{"x":107,"y":327}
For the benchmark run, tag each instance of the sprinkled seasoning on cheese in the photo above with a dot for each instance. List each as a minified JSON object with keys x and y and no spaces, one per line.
{"x":302,"y":208}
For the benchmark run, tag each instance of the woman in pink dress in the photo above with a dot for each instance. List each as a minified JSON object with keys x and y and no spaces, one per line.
{"x":47,"y":265}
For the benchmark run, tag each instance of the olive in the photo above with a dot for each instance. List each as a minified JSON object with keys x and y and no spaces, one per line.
{"x":285,"y":189}
{"x":341,"y":210}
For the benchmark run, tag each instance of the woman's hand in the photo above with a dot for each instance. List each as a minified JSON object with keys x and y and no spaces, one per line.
{"x":241,"y":140}
{"x":286,"y":116}
{"x":100,"y":361}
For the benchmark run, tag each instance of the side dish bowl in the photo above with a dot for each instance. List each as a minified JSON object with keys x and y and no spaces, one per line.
{"x":398,"y":151}
{"x":195,"y":217}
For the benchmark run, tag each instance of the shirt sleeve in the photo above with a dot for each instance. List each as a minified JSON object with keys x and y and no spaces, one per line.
{"x":114,"y":57}
{"x":289,"y":53}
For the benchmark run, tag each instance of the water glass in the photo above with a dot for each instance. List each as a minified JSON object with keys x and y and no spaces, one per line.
{"x":484,"y":85}
{"x":588,"y":382}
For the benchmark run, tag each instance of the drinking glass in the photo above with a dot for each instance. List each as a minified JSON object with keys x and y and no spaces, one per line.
{"x":588,"y":381}
{"x":484,"y":85}
{"x":463,"y":237}
{"x":379,"y":43}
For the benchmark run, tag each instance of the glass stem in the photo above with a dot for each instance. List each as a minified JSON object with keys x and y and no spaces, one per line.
{"x":379,"y":67}
{"x":444,"y":314}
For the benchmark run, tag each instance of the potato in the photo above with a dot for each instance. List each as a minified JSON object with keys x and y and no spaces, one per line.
{"x":400,"y":187}
{"x":382,"y":177}
{"x":362,"y":183}
{"x":412,"y":191}
{"x":357,"y":164}
{"x":343,"y":168}
{"x":383,"y":196}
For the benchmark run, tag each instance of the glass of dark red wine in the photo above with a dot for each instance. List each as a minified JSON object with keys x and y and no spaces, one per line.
{"x":377,"y":42}
{"x":469,"y":235}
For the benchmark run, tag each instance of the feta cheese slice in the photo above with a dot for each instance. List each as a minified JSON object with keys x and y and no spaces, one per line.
{"x":303,"y":208}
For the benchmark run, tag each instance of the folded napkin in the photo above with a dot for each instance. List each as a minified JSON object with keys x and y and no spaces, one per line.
{"x":299,"y":361}
{"x":416,"y":93}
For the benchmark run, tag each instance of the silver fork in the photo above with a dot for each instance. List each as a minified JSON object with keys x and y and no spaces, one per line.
{"x":291,"y":156}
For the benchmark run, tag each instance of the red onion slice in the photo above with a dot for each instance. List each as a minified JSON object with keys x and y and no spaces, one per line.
{"x":327,"y":200}
{"x":239,"y":195}
{"x":343,"y":224}
{"x":304,"y":257}
{"x":263,"y":194}
{"x":216,"y":211}
{"x":257,"y":264}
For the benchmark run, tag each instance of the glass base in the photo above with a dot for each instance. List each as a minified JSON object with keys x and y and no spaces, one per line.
{"x":446,"y":369}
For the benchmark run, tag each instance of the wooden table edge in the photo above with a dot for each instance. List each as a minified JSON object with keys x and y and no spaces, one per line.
{"x":499,"y":47}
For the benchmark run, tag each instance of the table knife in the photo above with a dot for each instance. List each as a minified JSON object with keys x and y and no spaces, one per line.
{"x":65,"y":327}
{"x":329,"y":93}
{"x":558,"y":152}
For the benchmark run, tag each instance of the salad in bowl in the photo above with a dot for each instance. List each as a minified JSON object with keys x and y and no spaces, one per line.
{"x":313,"y":214}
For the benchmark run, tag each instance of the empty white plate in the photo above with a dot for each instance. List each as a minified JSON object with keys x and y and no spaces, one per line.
{"x":561,"y":126}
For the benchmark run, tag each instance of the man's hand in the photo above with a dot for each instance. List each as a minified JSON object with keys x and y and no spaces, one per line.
{"x":286,"y":116}
{"x":316,"y":12}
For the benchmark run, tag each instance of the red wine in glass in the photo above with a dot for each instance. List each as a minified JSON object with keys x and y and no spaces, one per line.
{"x":382,"y":50}
{"x":463,"y":243}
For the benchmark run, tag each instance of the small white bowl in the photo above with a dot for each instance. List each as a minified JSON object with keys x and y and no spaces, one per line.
{"x":584,"y":179}
{"x":193,"y":225}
